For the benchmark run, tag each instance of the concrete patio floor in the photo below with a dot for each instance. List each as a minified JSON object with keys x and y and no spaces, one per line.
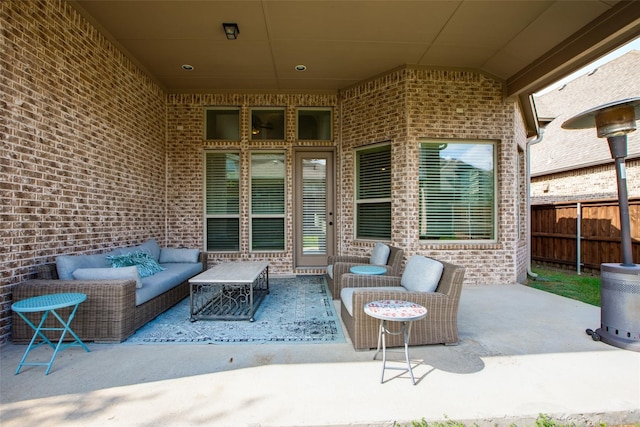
{"x":522,"y":352}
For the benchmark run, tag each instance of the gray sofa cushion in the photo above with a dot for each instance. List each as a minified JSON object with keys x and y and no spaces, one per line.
{"x":150,"y":247}
{"x":108,"y":273}
{"x":179,"y":255}
{"x":67,"y":264}
{"x":173,"y":275}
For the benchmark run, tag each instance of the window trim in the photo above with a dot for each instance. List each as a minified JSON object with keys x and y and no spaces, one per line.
{"x":357,"y":202}
{"x":267,"y":108}
{"x":222,"y":108}
{"x":238,"y":215}
{"x":326,"y":109}
{"x":251,"y":215}
{"x":495,"y":220}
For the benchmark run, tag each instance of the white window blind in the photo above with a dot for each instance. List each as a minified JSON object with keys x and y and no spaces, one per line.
{"x":373,"y":193}
{"x":267,"y":201}
{"x":222,"y":188}
{"x":457,"y":190}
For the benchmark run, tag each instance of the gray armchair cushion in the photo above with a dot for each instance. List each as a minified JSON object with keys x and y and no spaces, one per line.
{"x":380,"y":254}
{"x":421,"y":274}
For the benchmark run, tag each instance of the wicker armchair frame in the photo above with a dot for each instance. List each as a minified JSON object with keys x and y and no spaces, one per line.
{"x":439,"y":327}
{"x":343,"y":263}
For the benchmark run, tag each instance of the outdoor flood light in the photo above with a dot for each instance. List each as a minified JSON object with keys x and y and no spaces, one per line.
{"x":620,"y":283}
{"x":231,"y":30}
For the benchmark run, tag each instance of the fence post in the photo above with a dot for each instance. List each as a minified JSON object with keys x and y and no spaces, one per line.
{"x":578,"y":234}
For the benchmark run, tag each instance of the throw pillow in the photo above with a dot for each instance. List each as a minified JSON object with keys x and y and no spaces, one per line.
{"x":421,"y":274}
{"x":108,"y":273}
{"x":380,"y":254}
{"x":146,"y":265}
{"x":178,"y":255}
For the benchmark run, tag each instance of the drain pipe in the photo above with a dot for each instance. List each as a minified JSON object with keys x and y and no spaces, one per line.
{"x":529,"y":143}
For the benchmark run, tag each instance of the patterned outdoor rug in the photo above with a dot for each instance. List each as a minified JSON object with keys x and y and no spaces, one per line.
{"x":295,"y":310}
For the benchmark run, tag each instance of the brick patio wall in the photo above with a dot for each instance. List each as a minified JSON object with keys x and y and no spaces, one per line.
{"x":82,"y":163}
{"x":592,"y":183}
{"x":96,"y":155}
{"x":186,"y":147}
{"x":411,"y":104}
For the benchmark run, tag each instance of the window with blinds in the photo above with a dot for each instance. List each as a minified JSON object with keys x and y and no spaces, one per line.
{"x":457,"y":190}
{"x":267,"y":202}
{"x":373,"y":192}
{"x":222,"y":188}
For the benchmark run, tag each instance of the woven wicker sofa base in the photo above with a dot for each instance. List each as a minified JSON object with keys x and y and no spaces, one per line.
{"x":108,"y":315}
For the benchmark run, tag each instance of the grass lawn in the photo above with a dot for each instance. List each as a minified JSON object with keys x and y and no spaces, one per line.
{"x":585,"y":288}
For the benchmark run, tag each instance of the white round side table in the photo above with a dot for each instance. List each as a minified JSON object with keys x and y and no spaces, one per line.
{"x":395,"y":311}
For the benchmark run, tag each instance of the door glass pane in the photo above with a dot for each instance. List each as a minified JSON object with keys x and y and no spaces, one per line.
{"x":314,"y":207}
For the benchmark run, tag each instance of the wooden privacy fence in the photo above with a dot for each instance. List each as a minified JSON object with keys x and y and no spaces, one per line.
{"x":582,"y":234}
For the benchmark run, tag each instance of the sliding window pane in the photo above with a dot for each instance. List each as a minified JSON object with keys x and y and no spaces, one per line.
{"x":222,"y":234}
{"x":373,"y":192}
{"x":267,"y":234}
{"x":457,"y":198}
{"x":267,"y":201}
{"x":222,"y":196}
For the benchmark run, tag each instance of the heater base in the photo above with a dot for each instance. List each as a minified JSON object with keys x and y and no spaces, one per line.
{"x":616,"y":341}
{"x":620,"y":307}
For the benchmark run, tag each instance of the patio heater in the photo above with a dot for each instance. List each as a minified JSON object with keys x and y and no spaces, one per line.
{"x":620,"y":283}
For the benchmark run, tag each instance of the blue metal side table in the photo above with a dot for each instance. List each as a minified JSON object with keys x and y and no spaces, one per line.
{"x":49,"y":304}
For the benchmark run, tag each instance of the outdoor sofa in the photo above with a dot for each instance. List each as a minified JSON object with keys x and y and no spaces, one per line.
{"x":115,"y":307}
{"x":440,"y":326}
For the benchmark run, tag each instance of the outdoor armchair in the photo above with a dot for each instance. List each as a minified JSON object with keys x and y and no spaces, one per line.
{"x":341,"y":264}
{"x":440,"y":326}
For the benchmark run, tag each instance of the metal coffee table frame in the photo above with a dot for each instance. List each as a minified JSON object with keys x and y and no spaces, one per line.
{"x":229,"y":291}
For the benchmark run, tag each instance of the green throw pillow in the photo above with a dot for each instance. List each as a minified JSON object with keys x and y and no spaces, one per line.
{"x":147,"y":266}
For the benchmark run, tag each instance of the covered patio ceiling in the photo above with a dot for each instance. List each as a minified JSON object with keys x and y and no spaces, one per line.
{"x":527,"y":44}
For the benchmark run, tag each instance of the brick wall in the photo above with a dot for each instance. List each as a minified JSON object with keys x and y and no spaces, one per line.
{"x":408,"y":105}
{"x":592,"y":183}
{"x":82,"y":159}
{"x":185,"y":150}
{"x":95,"y":154}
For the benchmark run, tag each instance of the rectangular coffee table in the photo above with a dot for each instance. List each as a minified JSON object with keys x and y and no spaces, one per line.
{"x":229,"y":291}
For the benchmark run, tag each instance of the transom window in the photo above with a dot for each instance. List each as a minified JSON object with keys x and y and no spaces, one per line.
{"x":267,"y":124}
{"x":457,"y":190}
{"x":373,"y":192}
{"x":314,"y":124}
{"x":222,"y":123}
